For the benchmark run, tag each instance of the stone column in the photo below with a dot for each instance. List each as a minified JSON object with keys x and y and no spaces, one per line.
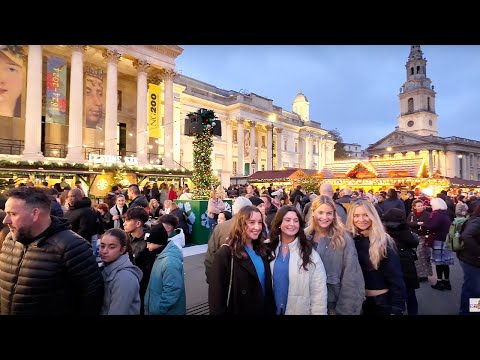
{"x":269,"y":147}
{"x":438,"y":161}
{"x":253,"y":140}
{"x":465,"y":170}
{"x":33,"y":115}
{"x":112,"y":58}
{"x":308,"y":152}
{"x":240,"y":147}
{"x":229,"y":136}
{"x":142,"y":120}
{"x":430,"y":162}
{"x":279,"y":148}
{"x":168,"y":76}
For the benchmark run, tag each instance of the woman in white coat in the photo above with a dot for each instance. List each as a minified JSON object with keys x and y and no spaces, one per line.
{"x":298,"y":274}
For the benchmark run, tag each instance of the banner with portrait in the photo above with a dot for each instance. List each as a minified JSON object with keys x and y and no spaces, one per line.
{"x":56,"y":104}
{"x":154,"y":107}
{"x":11,"y":74}
{"x":94,"y":98}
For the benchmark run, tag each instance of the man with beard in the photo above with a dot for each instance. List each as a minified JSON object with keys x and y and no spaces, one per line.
{"x":45,"y":268}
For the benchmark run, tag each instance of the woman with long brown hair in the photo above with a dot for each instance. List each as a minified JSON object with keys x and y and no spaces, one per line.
{"x":345,"y":284}
{"x":299,"y":279}
{"x":240,"y":280}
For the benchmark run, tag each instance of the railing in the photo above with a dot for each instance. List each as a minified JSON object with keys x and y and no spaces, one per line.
{"x":55,"y":150}
{"x":11,"y":147}
{"x":91,"y":150}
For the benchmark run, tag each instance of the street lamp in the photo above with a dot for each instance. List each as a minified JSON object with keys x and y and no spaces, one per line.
{"x":253,"y":166}
{"x":272,"y":119}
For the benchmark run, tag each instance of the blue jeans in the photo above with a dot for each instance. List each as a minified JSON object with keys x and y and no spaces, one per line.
{"x":212,"y":222}
{"x":470,"y":288}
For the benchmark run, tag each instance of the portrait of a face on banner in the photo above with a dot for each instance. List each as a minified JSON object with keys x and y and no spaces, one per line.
{"x":94,"y":98}
{"x":11,"y":80}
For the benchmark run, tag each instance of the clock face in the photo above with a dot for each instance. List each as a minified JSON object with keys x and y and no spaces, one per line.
{"x":102,"y":184}
{"x":410,"y":123}
{"x":430,"y":122}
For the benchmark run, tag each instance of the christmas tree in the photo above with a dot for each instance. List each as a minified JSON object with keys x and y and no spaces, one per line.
{"x":203,"y":179}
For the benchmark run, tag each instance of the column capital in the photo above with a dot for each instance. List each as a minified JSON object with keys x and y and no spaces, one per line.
{"x":279,"y":130}
{"x":240,"y":121}
{"x":111,"y":55}
{"x":268,"y":127}
{"x":229,"y":122}
{"x":168,"y":74}
{"x":141,"y":65}
{"x":252,"y":123}
{"x":78,"y":48}
{"x":154,"y":79}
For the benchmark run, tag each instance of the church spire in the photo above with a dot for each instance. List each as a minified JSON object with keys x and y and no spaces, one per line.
{"x":417,"y":97}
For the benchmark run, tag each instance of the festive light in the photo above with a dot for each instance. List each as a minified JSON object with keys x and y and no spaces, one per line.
{"x":203,"y":179}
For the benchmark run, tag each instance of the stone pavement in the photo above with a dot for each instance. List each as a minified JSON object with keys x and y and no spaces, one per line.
{"x":430,"y":301}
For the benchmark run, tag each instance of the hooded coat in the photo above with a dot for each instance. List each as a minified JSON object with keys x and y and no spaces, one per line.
{"x":122,"y":287}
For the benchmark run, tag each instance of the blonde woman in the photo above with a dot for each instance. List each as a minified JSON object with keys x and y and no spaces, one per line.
{"x":384,"y":284}
{"x":345,"y":284}
{"x":215,"y":207}
{"x":299,"y":279}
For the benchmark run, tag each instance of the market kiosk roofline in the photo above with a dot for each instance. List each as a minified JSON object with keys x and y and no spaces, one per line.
{"x":54,"y":171}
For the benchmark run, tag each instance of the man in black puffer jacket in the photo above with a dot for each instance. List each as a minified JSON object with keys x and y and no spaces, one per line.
{"x":45,"y":268}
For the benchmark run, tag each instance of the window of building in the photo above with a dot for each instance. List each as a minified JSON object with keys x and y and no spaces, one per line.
{"x":285,"y":145}
{"x":410,"y":123}
{"x":314,"y":148}
{"x":234,"y":135}
{"x":263,"y":142}
{"x":234,"y":168}
{"x":122,"y":139}
{"x":355,"y":148}
{"x":430,"y":122}
{"x":263,"y":167}
{"x":418,"y":69}
{"x":412,"y":72}
{"x":428,"y":103}
{"x":296,"y":146}
{"x":410,"y":105}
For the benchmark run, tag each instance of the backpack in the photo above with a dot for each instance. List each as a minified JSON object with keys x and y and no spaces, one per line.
{"x":453,"y":240}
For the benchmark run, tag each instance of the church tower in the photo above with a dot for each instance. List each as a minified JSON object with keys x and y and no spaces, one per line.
{"x":417,"y":98}
{"x":301,"y":106}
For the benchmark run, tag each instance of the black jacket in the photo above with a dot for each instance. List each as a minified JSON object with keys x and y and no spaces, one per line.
{"x":470,"y":236}
{"x":406,"y":248}
{"x":246,"y":296}
{"x":54,"y":274}
{"x":83,"y":218}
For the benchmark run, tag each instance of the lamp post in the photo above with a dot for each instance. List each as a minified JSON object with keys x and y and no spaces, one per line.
{"x":253,"y":166}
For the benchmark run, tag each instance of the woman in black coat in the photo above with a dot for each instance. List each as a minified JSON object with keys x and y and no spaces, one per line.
{"x":241,"y":280}
{"x":419,"y":214}
{"x":396,"y":226}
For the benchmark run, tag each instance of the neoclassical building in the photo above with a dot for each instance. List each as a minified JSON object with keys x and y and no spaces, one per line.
{"x":417,"y":132}
{"x":80,"y":105}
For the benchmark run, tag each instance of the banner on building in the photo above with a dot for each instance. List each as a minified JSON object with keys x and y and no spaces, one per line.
{"x":94,"y":98}
{"x":11,"y":73}
{"x":56,"y":104}
{"x":154,"y":118}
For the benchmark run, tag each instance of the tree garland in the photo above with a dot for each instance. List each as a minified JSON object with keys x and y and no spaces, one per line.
{"x":202,"y":178}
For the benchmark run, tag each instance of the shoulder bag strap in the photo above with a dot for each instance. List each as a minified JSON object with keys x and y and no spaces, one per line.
{"x":231,"y":277}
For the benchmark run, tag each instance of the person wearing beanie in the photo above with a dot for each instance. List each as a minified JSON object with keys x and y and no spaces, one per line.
{"x":176,"y":235}
{"x":220,"y":233}
{"x":395,"y":222}
{"x":165,"y":293}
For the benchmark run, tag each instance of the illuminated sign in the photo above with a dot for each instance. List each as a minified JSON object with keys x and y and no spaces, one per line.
{"x":112,"y":159}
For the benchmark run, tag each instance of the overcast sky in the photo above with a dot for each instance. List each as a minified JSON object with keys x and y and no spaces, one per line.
{"x":352,"y":88}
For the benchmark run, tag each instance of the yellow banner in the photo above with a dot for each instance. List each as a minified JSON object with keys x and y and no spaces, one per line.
{"x":154,"y":116}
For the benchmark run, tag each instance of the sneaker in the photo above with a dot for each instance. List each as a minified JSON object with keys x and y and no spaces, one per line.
{"x":438,"y":285}
{"x":446,"y":285}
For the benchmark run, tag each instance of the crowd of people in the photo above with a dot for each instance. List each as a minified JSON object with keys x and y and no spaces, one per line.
{"x":72,"y":257}
{"x":344,"y":252}
{"x":332,"y":253}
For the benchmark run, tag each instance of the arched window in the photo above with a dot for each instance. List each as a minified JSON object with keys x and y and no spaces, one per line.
{"x":410,"y":105}
{"x":412,"y":71}
{"x":418,"y":69}
{"x":428,"y":104}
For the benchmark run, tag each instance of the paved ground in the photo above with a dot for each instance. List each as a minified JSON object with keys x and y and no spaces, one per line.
{"x":430,"y":301}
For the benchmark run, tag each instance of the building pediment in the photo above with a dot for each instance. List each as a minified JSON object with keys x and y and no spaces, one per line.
{"x":400,"y":139}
